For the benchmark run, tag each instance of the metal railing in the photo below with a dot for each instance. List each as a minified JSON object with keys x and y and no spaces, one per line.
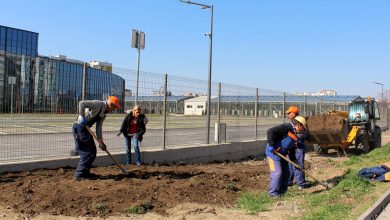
{"x":176,"y":108}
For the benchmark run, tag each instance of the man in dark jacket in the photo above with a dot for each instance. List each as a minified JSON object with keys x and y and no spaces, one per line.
{"x":133,"y":128}
{"x":281,"y":139}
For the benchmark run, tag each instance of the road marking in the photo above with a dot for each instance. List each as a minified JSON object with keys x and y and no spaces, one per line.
{"x":18,"y":126}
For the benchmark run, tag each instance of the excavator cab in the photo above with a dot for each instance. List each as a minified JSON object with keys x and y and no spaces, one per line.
{"x":358,"y":112}
{"x":341,"y":130}
{"x":364,"y":113}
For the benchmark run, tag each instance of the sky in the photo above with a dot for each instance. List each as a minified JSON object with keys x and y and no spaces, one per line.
{"x":280,"y":45}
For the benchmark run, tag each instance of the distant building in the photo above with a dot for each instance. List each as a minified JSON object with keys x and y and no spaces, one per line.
{"x":196,"y":106}
{"x":325,"y":92}
{"x":160,"y":92}
{"x":101,"y":65}
{"x":33,"y":83}
{"x":128,"y":92}
{"x":64,"y":58}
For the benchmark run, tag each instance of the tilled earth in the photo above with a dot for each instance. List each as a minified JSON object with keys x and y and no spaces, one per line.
{"x":175,"y":191}
{"x":150,"y":188}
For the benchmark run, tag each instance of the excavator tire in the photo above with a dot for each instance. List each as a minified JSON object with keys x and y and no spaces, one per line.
{"x":362,"y":143}
{"x":377,"y":139}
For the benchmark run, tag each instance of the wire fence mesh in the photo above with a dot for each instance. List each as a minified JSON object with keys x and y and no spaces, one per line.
{"x":177,"y":112}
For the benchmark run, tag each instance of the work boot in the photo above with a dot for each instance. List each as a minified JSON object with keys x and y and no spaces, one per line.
{"x":92,"y":176}
{"x":78,"y":178}
{"x":89,"y":176}
{"x":274,"y":196}
{"x":302,"y":187}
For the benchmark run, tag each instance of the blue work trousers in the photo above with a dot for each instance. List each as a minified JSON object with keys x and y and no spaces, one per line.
{"x":132,"y":141}
{"x":86,"y":148}
{"x":279,"y":173}
{"x":298,"y":173}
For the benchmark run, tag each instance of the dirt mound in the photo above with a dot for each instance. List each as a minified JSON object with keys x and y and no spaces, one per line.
{"x":327,"y":128}
{"x":148,"y":188}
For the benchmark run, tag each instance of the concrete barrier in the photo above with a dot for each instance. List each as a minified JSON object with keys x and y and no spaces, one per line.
{"x":196,"y":154}
{"x":377,"y":208}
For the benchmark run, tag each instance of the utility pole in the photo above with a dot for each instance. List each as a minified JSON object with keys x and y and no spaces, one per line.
{"x":12,"y":81}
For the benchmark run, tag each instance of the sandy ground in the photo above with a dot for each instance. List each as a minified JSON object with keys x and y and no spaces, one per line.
{"x":197,"y":191}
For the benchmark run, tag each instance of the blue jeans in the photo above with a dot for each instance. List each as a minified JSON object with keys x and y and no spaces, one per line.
{"x":132,"y":141}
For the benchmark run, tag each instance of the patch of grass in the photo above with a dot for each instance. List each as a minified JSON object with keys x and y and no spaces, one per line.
{"x":330,"y":211}
{"x":347,"y":199}
{"x":140,"y":209}
{"x":136,"y":210}
{"x":374,"y":158}
{"x":337,"y":201}
{"x":100,"y":207}
{"x":231,"y":187}
{"x":254,"y":203}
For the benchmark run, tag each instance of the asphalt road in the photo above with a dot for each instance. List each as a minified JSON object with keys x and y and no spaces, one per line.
{"x":18,"y":147}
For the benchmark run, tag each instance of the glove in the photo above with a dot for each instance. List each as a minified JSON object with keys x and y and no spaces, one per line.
{"x":102,"y":146}
{"x":83,"y":121}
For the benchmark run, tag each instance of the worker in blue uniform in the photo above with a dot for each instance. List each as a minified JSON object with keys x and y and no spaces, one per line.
{"x":90,"y":113}
{"x":297,"y":154}
{"x":281,"y":139}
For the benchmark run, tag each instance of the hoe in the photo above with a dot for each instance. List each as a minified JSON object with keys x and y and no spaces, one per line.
{"x":112,"y":158}
{"x":324,"y":184}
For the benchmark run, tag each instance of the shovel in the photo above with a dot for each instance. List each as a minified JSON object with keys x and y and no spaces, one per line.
{"x":112,"y":158}
{"x":324,"y":184}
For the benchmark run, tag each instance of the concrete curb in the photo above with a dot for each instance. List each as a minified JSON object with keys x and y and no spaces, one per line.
{"x":190,"y":154}
{"x":377,"y":208}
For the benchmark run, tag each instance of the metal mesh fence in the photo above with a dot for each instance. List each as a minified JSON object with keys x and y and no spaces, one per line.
{"x":177,"y":112}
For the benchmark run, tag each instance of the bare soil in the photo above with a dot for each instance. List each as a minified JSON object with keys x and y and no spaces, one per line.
{"x":175,"y":191}
{"x":154,"y":187}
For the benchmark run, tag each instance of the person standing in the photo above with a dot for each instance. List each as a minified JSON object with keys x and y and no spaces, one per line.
{"x":297,"y":154}
{"x":281,"y":139}
{"x":90,"y":112}
{"x":133,"y":128}
{"x":292,"y":111}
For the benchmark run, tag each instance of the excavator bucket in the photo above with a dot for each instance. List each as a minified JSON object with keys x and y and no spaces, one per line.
{"x":328,"y":129}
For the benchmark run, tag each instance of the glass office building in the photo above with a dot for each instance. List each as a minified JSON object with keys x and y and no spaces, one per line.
{"x":33,"y":83}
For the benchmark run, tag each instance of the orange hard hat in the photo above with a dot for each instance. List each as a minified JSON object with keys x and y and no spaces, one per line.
{"x":293,"y":109}
{"x":115,"y":100}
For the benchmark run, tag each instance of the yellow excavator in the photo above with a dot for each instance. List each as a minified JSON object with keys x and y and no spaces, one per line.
{"x":341,"y":130}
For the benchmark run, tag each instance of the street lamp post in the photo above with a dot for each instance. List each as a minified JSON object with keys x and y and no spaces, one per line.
{"x":382,"y":101}
{"x":210,"y":35}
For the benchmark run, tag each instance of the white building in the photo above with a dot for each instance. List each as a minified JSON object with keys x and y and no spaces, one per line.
{"x":196,"y":106}
{"x":106,"y":66}
{"x":325,"y":92}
